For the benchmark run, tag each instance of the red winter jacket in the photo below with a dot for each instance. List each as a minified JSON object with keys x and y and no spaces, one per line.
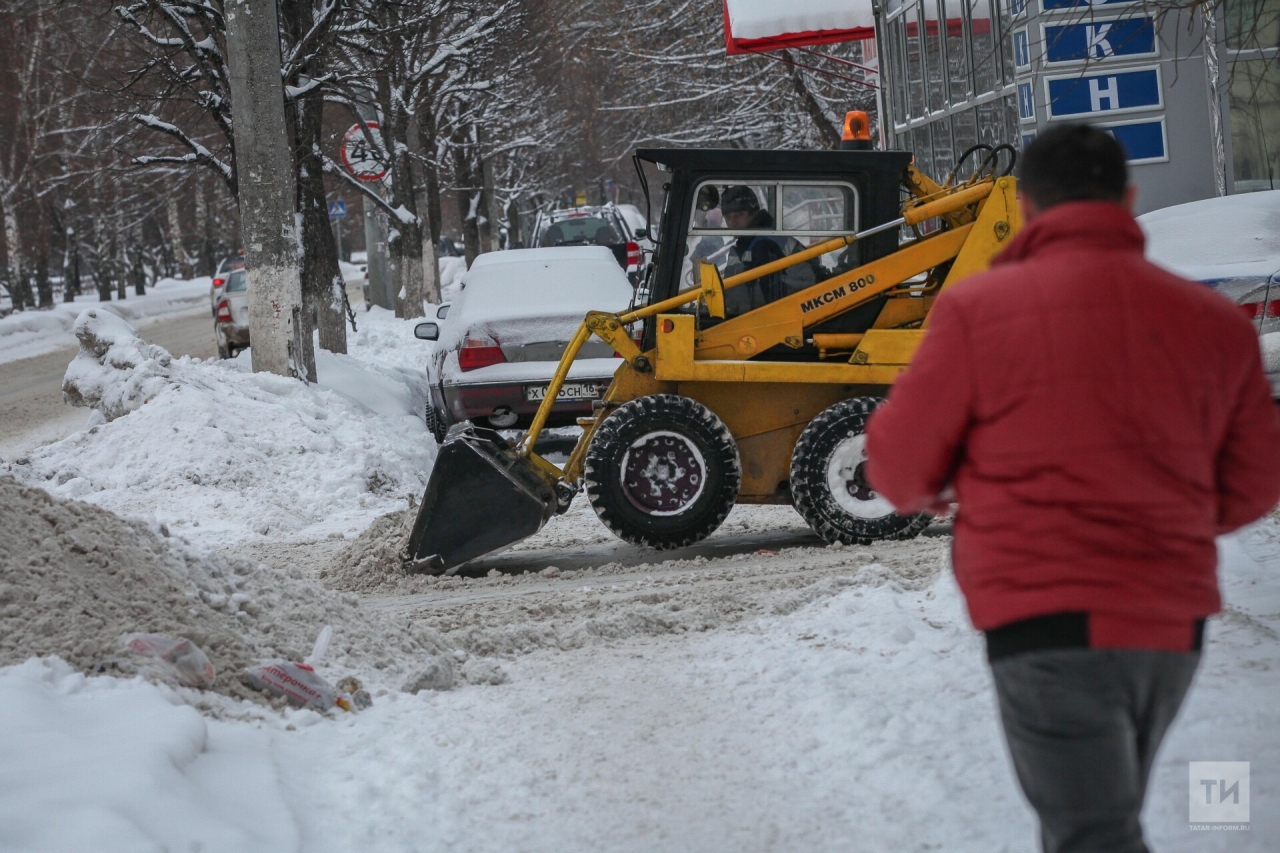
{"x":1100,"y":419}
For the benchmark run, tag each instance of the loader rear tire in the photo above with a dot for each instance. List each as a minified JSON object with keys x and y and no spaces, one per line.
{"x":662,"y":471}
{"x":828,"y":487}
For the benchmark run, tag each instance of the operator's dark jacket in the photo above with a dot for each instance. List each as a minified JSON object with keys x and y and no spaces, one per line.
{"x":1101,"y":421}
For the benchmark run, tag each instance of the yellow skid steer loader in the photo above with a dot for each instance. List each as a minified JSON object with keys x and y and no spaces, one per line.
{"x":788,"y":291}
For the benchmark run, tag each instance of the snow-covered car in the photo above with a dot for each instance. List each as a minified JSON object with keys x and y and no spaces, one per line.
{"x":1231,"y":244}
{"x":231,"y":315}
{"x":220,"y":275}
{"x":501,"y":339}
{"x":605,"y":225}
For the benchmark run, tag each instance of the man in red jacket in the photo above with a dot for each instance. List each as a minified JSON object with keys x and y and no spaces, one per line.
{"x":1100,"y":422}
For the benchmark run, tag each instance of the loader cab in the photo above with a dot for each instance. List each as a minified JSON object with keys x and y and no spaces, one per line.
{"x":740,"y":209}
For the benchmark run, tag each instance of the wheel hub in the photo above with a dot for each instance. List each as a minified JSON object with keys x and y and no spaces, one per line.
{"x":848,"y":484}
{"x":663,"y":473}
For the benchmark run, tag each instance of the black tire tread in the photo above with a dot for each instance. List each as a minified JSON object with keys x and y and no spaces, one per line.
{"x":809,"y":490}
{"x":662,"y":411}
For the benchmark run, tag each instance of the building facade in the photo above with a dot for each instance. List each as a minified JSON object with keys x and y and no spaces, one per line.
{"x":1194,"y":99}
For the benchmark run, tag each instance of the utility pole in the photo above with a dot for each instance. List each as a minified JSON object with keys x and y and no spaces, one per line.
{"x":268,"y":195}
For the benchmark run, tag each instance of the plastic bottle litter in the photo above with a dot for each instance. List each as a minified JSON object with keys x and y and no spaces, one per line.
{"x":173,"y":658}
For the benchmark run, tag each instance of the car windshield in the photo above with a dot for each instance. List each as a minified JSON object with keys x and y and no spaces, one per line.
{"x":580,"y":231}
{"x":237,"y":283}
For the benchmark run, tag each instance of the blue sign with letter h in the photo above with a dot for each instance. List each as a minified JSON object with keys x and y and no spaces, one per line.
{"x":1104,"y":93}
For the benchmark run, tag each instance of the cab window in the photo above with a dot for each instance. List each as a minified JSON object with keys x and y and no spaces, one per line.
{"x":742,"y":225}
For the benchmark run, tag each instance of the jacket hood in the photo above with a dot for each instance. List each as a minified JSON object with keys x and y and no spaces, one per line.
{"x":1076,"y":225}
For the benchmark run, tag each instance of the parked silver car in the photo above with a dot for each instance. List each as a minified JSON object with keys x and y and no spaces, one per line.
{"x":1232,"y":244}
{"x":228,"y":265}
{"x":501,"y":339}
{"x":231,"y":315}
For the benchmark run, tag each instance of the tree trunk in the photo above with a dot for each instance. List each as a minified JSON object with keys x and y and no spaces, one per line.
{"x":177,"y":246}
{"x":44,"y":287}
{"x":21,"y":291}
{"x":513,"y":224}
{"x":204,"y":227}
{"x":137,"y":272}
{"x":268,"y":195}
{"x":71,"y":268}
{"x":322,"y":282}
{"x":486,"y":221}
{"x":122,"y":275}
{"x":404,"y":243}
{"x":13,"y":257}
{"x":430,"y":268}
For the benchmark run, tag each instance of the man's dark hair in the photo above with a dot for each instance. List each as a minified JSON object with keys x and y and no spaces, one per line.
{"x":1073,"y":162}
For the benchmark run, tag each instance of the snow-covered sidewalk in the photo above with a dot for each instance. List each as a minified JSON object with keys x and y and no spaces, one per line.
{"x":30,"y":333}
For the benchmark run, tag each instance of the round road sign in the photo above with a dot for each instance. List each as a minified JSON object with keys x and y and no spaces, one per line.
{"x":360,"y":158}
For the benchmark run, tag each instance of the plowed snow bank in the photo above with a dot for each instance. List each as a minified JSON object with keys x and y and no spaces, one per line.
{"x":220,"y":453}
{"x":74,"y":577}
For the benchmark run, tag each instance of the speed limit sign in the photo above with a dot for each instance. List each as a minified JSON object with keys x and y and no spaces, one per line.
{"x":362,"y":159}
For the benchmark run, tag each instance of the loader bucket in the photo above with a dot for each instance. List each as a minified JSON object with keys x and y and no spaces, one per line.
{"x":481,"y":497}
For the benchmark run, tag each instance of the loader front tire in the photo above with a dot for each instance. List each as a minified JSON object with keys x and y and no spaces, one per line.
{"x":828,"y":486}
{"x":662,"y":471}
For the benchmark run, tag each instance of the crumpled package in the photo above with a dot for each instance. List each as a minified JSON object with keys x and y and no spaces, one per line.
{"x":297,"y":682}
{"x":173,"y":658}
{"x":303,"y":687}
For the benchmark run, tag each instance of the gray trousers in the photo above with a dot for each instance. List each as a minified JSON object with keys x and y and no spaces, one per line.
{"x":1083,"y":726}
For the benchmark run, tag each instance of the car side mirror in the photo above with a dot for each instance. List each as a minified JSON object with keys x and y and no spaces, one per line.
{"x":642,"y":233}
{"x":427,"y":331}
{"x":443,"y":311}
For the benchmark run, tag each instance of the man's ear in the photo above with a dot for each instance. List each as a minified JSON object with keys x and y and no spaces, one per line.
{"x":1130,"y":197}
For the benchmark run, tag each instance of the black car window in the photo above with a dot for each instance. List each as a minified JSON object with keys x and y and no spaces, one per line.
{"x":581,"y":231}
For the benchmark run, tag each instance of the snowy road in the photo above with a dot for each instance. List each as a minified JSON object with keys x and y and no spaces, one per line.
{"x":31,"y":388}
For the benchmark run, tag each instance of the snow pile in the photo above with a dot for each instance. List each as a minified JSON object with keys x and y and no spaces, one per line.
{"x":373,"y":559}
{"x":30,"y":333}
{"x":103,"y":764}
{"x":217,"y":452}
{"x":451,"y":272}
{"x":76,"y":578}
{"x":115,"y":372}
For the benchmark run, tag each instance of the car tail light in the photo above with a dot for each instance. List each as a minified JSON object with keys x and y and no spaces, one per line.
{"x":633,"y":254}
{"x":218,"y":282}
{"x":1254,"y":310}
{"x":479,"y":351}
{"x":224,"y":312}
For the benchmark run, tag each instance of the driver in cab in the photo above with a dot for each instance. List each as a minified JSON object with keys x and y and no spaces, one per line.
{"x":741,"y":210}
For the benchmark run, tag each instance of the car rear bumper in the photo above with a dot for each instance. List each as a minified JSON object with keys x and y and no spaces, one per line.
{"x":230,"y":333}
{"x":470,"y":402}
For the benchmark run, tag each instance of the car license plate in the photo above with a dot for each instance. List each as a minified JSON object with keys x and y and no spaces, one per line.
{"x":568,"y":391}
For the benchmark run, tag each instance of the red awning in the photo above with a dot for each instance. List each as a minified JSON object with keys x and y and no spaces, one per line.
{"x":751,"y":26}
